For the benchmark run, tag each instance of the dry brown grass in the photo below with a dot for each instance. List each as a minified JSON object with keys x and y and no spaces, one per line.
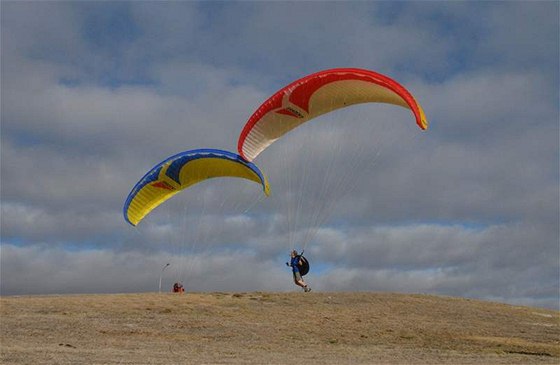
{"x":273,"y":328}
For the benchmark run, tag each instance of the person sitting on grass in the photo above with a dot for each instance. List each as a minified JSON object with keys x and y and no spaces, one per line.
{"x":178,"y":288}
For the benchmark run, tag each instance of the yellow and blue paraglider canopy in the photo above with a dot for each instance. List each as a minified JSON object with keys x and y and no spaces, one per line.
{"x":182,"y":170}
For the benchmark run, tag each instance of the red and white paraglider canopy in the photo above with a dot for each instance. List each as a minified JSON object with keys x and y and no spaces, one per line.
{"x":317,"y":94}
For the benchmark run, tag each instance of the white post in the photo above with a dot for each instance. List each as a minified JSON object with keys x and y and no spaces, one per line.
{"x":161,"y":276}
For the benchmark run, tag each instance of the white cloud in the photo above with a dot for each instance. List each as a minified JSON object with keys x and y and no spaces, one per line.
{"x":40,"y":269}
{"x":467,"y":208}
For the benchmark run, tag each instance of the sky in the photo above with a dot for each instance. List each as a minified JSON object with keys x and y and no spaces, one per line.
{"x":94,"y":94}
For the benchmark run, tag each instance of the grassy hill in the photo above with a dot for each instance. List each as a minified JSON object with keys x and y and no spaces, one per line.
{"x":277,"y":328}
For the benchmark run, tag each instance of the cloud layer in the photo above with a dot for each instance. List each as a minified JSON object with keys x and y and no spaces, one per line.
{"x":95,"y":94}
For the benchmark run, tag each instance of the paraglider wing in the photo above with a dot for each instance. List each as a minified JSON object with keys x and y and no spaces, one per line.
{"x":317,"y":94}
{"x":181,"y":171}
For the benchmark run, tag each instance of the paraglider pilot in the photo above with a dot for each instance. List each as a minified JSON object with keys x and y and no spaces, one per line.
{"x":295,"y":263}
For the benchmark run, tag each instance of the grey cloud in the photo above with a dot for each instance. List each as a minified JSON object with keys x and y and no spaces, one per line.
{"x":47,"y":270}
{"x":500,"y":103}
{"x":467,"y":208}
{"x":513,"y":36}
{"x":514,"y":40}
